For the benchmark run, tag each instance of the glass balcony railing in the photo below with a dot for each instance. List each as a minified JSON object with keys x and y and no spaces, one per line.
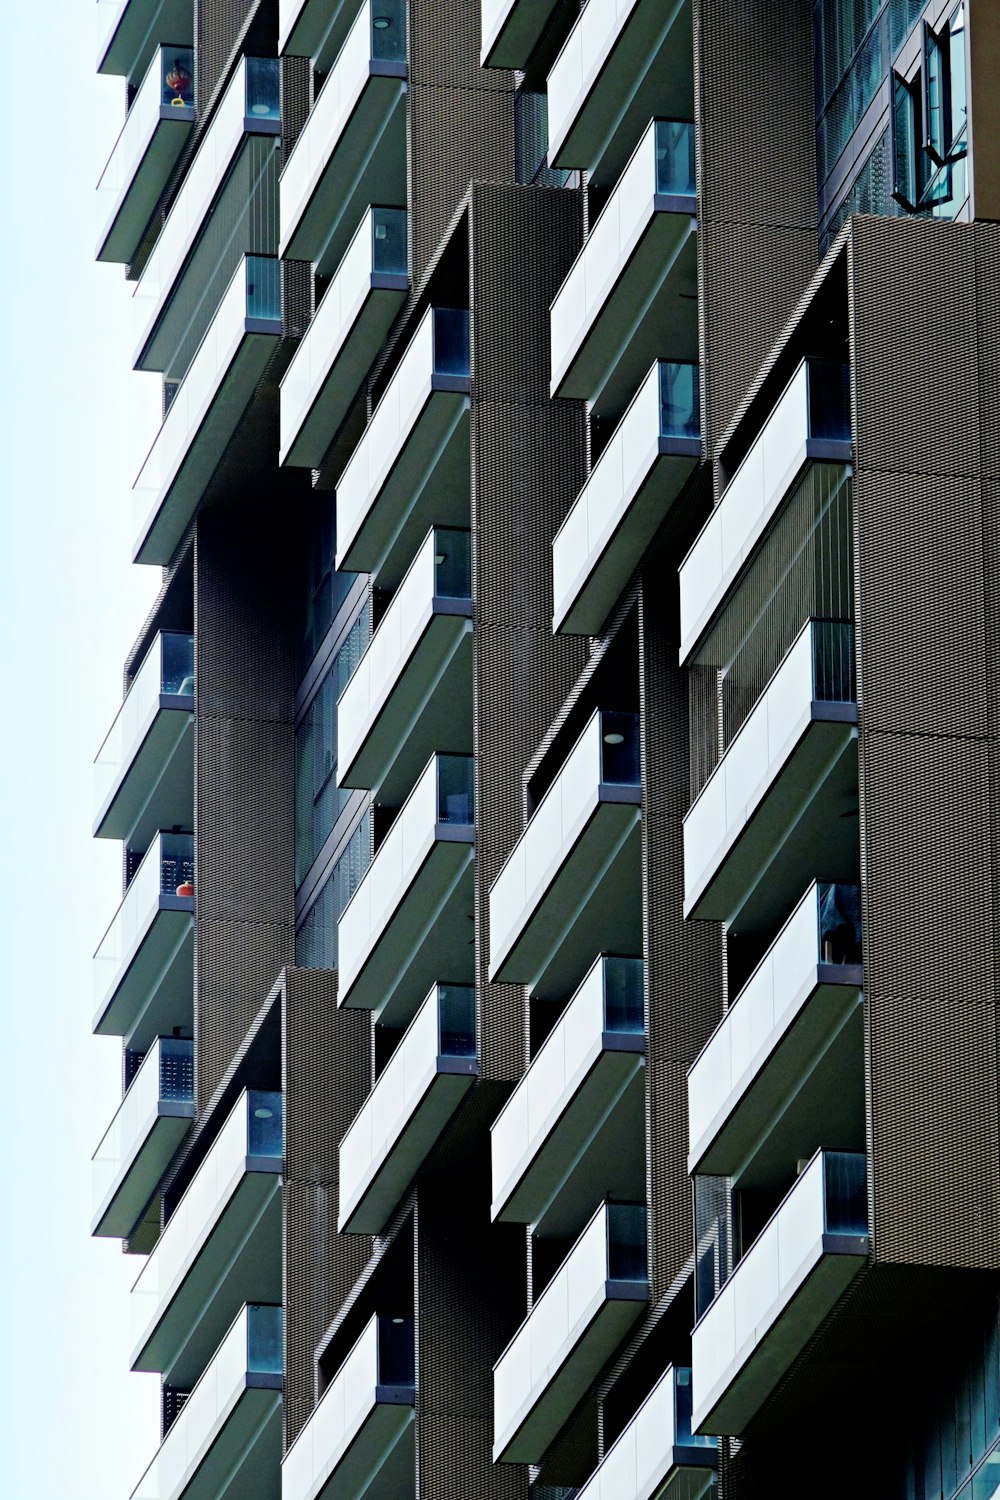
{"x":451,"y":341}
{"x":675,"y":159}
{"x":167,"y":869}
{"x":656,"y":1441}
{"x":167,"y":671}
{"x":263,"y":88}
{"x":165,"y":1077}
{"x":680,"y":399}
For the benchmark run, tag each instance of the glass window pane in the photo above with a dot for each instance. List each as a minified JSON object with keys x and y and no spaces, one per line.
{"x":627,"y":1242}
{"x":264,"y":1340}
{"x":389,"y":253}
{"x":452,"y":564}
{"x":263,"y":88}
{"x":178,"y":76}
{"x":455,"y":789}
{"x":451,"y":341}
{"x":620,"y":748}
{"x":389,"y":30}
{"x":264,"y":1135}
{"x":395,"y":1351}
{"x":457,"y":1020}
{"x":623,"y":995}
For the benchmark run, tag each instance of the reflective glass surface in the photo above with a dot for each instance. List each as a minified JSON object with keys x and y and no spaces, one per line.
{"x":839,"y":923}
{"x":263,"y":287}
{"x":627,"y":1242}
{"x":452,"y":564}
{"x":264,"y":1123}
{"x":177,"y":664}
{"x":395,"y":1351}
{"x":680,"y":400}
{"x":263,"y":88}
{"x":389,"y":252}
{"x":829,"y":400}
{"x":451,"y":341}
{"x":845,"y":1179}
{"x":264,"y":1339}
{"x":619,"y":748}
{"x":623,"y":995}
{"x":389,"y":30}
{"x":316,"y":938}
{"x":457,"y":1020}
{"x":455,"y":795}
{"x":675,"y":160}
{"x":177,"y":77}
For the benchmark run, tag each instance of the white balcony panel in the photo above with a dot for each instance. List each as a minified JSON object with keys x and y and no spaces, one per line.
{"x":315,"y":29}
{"x":776,"y":1298}
{"x":415,"y":1096}
{"x":656,"y":1457}
{"x":573,"y":1329}
{"x":131,"y":30}
{"x":351,"y":152}
{"x":575,"y":1118}
{"x":339,"y":347}
{"x":511,"y":30}
{"x":220,"y":1247}
{"x":142,"y":1139}
{"x":202,"y":420}
{"x":624,"y":61}
{"x":571,"y":885}
{"x":411,"y":693}
{"x":225,"y":1443}
{"x":631,"y":294}
{"x":408,"y":924}
{"x":775,"y":798}
{"x":777,"y":1031}
{"x":358,"y":1439}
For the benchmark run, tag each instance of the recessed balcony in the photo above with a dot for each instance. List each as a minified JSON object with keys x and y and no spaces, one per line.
{"x":577,"y":1116}
{"x":220,"y":1246}
{"x":144,"y":965}
{"x":144,"y":771}
{"x":752,"y":835}
{"x":352,"y":150}
{"x":207,"y":409}
{"x":410,"y":920}
{"x":810,"y":424}
{"x":131,"y":30}
{"x":315,"y":29}
{"x":657,"y":1457}
{"x":575,"y":1326}
{"x":344,"y":338}
{"x":154,"y":134}
{"x":780,"y":1292}
{"x":631,"y":296}
{"x":512,"y":29}
{"x":777,"y":1054}
{"x":572,"y":884}
{"x":429,"y":1074}
{"x":359,"y":1438}
{"x":225,"y":1443}
{"x":649,"y":458}
{"x":624,"y":61}
{"x":411,"y":693}
{"x":142,"y":1139}
{"x":410,"y":471}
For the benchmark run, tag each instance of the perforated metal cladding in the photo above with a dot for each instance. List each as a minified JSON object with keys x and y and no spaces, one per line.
{"x":325,"y":1079}
{"x":219,"y":26}
{"x":295,"y":76}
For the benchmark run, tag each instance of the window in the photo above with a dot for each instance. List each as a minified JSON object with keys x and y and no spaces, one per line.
{"x":316,"y":938}
{"x":929,"y":124}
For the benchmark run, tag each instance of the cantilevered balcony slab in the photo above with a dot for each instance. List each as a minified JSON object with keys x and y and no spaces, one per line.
{"x":571,"y":886}
{"x":780,"y":1292}
{"x":131,"y":31}
{"x":770,"y":1057}
{"x":810,"y":424}
{"x":575,"y":1326}
{"x":657,"y":1457}
{"x":344,"y":338}
{"x":352,"y":149}
{"x":221,"y":1245}
{"x":315,"y":29}
{"x":207,"y":409}
{"x":225,"y":1443}
{"x":410,"y":920}
{"x":359,"y":1437}
{"x":152,"y":138}
{"x":411,"y":693}
{"x":512,"y":29}
{"x":418,"y":1091}
{"x":576,"y":1117}
{"x":631,"y":296}
{"x":771,"y":808}
{"x":649,"y":458}
{"x":144,"y":771}
{"x":144,"y":965}
{"x":624,"y":61}
{"x":410,"y":471}
{"x":142,"y":1139}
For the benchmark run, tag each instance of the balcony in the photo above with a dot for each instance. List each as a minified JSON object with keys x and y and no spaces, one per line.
{"x":810,"y":424}
{"x":572,"y":884}
{"x":315,"y":29}
{"x":225,"y":1443}
{"x":631,"y":296}
{"x":144,"y":771}
{"x":575,"y":1326}
{"x":207,"y":409}
{"x":657,"y":1457}
{"x":409,"y":921}
{"x":429,"y":1074}
{"x":780,"y":1292}
{"x":152,"y":138}
{"x":411,"y":469}
{"x":142,"y":1139}
{"x":220,"y":1246}
{"x":791,"y":1023}
{"x":751,"y":838}
{"x":144,"y":966}
{"x":512,"y":29}
{"x":344,"y":338}
{"x":232,"y":179}
{"x":132,"y":29}
{"x":359,"y":1438}
{"x":412,"y":691}
{"x":649,"y":458}
{"x":352,"y":150}
{"x":577,"y":1115}
{"x":624,"y":61}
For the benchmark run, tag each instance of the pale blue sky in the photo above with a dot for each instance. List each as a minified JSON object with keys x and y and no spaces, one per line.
{"x":74,"y":1424}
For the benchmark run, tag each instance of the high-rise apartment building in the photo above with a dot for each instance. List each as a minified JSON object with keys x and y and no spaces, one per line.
{"x":557,"y":965}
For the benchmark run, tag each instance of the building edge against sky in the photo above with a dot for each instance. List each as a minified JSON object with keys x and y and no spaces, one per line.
{"x":581,"y":1079}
